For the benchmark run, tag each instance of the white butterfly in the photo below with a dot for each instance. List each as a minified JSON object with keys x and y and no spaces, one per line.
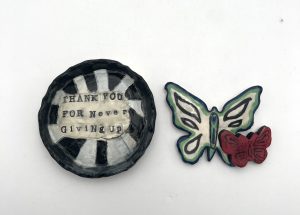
{"x":191,"y":115}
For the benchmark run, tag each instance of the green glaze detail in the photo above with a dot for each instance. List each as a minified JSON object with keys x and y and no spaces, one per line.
{"x":213,"y":129}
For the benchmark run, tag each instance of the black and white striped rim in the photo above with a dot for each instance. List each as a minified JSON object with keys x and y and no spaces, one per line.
{"x":90,"y":157}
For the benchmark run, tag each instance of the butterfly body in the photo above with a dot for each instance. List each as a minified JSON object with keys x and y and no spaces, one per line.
{"x":214,"y":126}
{"x":203,"y":126}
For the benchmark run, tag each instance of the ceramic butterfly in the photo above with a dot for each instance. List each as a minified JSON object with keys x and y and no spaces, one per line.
{"x":203,"y":126}
{"x":242,"y":149}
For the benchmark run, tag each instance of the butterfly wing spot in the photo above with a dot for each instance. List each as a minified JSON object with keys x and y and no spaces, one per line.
{"x":187,"y":107}
{"x":235,"y":124}
{"x":237,"y":110}
{"x":189,"y":123}
{"x":192,"y":146}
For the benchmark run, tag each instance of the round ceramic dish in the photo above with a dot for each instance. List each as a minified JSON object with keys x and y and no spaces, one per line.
{"x":97,"y":118}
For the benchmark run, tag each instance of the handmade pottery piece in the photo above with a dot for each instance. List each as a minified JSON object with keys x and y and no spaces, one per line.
{"x":207,"y":128}
{"x":97,"y":118}
{"x":242,"y":149}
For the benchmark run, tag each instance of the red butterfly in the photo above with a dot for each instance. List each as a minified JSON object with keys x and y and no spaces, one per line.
{"x":242,"y":149}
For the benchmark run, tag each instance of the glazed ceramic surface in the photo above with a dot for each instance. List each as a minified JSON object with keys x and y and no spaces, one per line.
{"x":97,"y":118}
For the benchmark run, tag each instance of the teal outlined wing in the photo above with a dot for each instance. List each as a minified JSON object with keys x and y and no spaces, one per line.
{"x":191,"y":115}
{"x":238,"y":114}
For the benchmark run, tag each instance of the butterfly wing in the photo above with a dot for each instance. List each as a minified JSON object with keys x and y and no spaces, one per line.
{"x":236,"y":147}
{"x":238,"y":114}
{"x":260,"y":144}
{"x":190,"y":114}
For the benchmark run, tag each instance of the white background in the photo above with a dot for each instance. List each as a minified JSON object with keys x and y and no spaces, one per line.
{"x":214,"y":49}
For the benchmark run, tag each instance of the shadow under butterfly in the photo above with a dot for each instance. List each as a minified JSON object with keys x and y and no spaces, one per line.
{"x":217,"y":131}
